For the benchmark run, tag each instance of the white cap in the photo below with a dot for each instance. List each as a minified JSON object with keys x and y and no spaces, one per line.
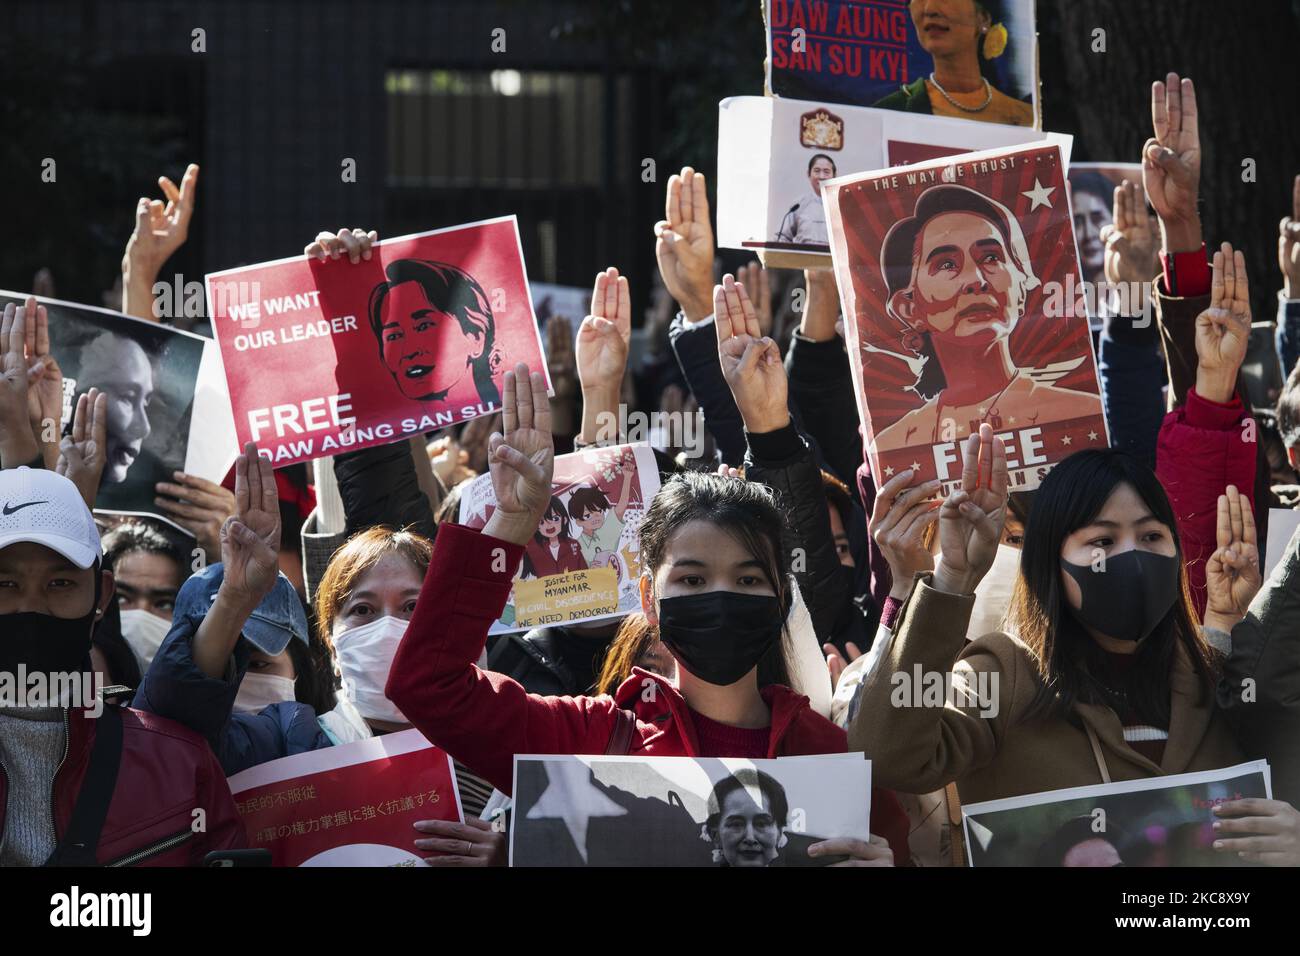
{"x":45,"y":508}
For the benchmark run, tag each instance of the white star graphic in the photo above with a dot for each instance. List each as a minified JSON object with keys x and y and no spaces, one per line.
{"x":1066,"y":439}
{"x":983,"y":411}
{"x":1040,"y":195}
{"x":1092,"y":436}
{"x":571,"y":797}
{"x":1012,"y":419}
{"x":915,"y":466}
{"x":889,"y":470}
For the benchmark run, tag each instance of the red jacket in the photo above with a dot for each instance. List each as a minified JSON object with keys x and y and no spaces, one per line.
{"x":166,"y":773}
{"x":1204,"y":447}
{"x":483,"y":719}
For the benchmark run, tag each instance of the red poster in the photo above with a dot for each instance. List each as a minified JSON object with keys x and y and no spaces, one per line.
{"x":961,"y":278}
{"x":327,"y":356}
{"x":350,"y":805}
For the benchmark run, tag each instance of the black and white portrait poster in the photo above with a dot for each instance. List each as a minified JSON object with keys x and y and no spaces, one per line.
{"x":168,"y":409}
{"x":685,"y":811}
{"x":1159,"y":821}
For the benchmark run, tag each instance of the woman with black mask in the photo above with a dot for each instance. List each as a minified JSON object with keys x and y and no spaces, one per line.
{"x":715,"y":583}
{"x":1108,"y":676}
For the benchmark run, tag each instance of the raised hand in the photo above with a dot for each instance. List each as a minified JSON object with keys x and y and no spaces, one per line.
{"x":1232,"y":575}
{"x":970,"y":521}
{"x":44,"y":382}
{"x":751,"y":362}
{"x":199,"y":506}
{"x":159,"y":231}
{"x":1223,"y":330}
{"x":685,"y":244}
{"x":522,"y":458}
{"x":83,"y":454}
{"x":1132,"y":250}
{"x":1171,"y":163}
{"x":755,"y":278}
{"x":902,"y":512}
{"x":250,"y":538}
{"x":17,"y":443}
{"x":605,"y":335}
{"x":560,"y":359}
{"x":353,"y":243}
{"x":1288,"y":246}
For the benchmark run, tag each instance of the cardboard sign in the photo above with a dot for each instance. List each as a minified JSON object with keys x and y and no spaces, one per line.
{"x":583,"y":563}
{"x":893,"y":54}
{"x":1160,"y":821}
{"x":168,"y":409}
{"x":685,"y":811}
{"x":323,"y":357}
{"x":350,"y":805}
{"x":961,"y":292}
{"x":775,"y":154}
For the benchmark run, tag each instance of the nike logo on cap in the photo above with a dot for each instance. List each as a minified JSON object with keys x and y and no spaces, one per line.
{"x":10,"y":509}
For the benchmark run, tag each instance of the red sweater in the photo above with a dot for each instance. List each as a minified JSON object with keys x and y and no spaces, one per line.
{"x":483,"y":719}
{"x":1202,"y":449}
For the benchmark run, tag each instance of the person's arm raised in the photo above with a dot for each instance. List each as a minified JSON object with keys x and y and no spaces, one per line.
{"x":685,"y":244}
{"x":1223,"y":330}
{"x":970,"y":521}
{"x":483,"y":719}
{"x":603,"y":342}
{"x":250,"y":546}
{"x":1171,"y":163}
{"x":521,"y":459}
{"x":751,"y":362}
{"x":17,"y":443}
{"x":159,"y":231}
{"x":83,"y":454}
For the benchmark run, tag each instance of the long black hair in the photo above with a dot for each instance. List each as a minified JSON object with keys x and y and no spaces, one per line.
{"x":1070,"y":662}
{"x":743,"y":509}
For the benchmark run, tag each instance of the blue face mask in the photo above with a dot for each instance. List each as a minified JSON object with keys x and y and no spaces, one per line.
{"x":1129,"y":596}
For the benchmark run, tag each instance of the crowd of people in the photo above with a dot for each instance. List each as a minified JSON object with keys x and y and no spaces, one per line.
{"x":1119,"y":611}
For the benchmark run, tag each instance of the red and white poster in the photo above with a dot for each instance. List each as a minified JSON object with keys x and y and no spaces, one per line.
{"x":350,"y":805}
{"x":328,"y":356}
{"x":962,"y":283}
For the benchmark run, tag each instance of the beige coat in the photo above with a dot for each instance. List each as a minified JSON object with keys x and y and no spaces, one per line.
{"x":918,"y":749}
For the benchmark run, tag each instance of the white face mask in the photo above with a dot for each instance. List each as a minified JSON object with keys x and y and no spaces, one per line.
{"x":365,"y":656}
{"x":258,"y":691}
{"x":144,"y":632}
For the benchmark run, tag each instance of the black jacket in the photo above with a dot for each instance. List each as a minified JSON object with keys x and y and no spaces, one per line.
{"x":553,"y":661}
{"x":783,"y":461}
{"x":379,"y":487}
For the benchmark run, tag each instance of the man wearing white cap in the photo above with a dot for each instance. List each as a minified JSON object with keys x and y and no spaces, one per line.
{"x":120,"y":785}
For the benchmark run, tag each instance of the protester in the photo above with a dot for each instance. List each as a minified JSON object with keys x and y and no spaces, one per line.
{"x":1108,"y":677}
{"x":694,"y":579}
{"x":88,"y":765}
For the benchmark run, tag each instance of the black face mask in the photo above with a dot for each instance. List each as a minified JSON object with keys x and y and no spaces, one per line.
{"x":45,"y":644}
{"x":719,"y":636}
{"x":1129,"y":598}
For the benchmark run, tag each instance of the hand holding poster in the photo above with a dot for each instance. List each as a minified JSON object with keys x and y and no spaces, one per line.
{"x":159,"y":381}
{"x":350,"y":805}
{"x":960,"y":287}
{"x":974,"y":61}
{"x":323,"y":356}
{"x":1161,"y":821}
{"x":686,"y":811}
{"x":583,"y":564}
